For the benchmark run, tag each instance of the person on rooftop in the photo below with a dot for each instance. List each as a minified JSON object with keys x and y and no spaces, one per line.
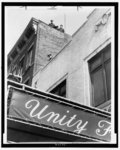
{"x":51,"y":24}
{"x":61,"y":28}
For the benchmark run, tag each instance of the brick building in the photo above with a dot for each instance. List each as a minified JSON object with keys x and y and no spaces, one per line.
{"x":71,"y":82}
{"x":38,"y":44}
{"x":81,"y":72}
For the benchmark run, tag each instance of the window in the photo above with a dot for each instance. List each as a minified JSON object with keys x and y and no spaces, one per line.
{"x":29,"y":57}
{"x":14,"y":70}
{"x":14,"y":54}
{"x":27,"y":82}
{"x":21,"y":65}
{"x":9,"y":62}
{"x":100,"y":73}
{"x":35,"y":85}
{"x":60,"y":89}
{"x":21,"y":44}
{"x":29,"y":32}
{"x":10,"y":69}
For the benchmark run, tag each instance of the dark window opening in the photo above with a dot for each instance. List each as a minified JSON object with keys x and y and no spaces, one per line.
{"x":60,"y":90}
{"x":9,"y":62}
{"x":29,"y":57}
{"x":14,"y":78}
{"x":29,"y":32}
{"x":14,"y":71}
{"x":100,"y":73}
{"x":21,"y":66}
{"x":21,"y":44}
{"x":27,"y":82}
{"x":14,"y":54}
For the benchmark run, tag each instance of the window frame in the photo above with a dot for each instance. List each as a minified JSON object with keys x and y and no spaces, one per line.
{"x":30,"y":55}
{"x":57,"y":83}
{"x":27,"y":79}
{"x":22,"y":59}
{"x":100,"y":54}
{"x":58,"y":89}
{"x":14,"y":70}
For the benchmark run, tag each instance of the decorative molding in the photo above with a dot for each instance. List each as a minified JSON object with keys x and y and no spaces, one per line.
{"x":35,"y":27}
{"x":107,"y":108}
{"x":103,"y":20}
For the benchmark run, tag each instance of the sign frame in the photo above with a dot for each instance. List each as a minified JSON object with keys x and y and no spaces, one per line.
{"x":58,"y":99}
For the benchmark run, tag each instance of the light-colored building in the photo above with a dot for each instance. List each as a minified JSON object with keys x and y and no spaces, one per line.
{"x":81,"y":71}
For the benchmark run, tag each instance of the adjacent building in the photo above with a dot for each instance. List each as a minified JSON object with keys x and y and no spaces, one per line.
{"x":70,"y":79}
{"x":38,"y":44}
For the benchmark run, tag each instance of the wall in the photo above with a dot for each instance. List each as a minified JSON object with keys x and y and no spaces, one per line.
{"x":29,"y":72}
{"x":24,"y":53}
{"x":49,"y":41}
{"x":72,"y":60}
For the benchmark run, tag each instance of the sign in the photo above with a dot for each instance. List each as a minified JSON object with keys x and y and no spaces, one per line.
{"x":60,"y":115}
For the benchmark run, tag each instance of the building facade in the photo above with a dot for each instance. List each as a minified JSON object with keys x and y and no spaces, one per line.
{"x":38,"y":44}
{"x":81,"y":71}
{"x":71,"y":82}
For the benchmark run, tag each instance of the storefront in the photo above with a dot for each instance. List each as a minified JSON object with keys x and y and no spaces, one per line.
{"x":36,"y":116}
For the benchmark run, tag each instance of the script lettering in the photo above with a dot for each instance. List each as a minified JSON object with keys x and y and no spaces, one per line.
{"x":30,"y":105}
{"x":41,"y":113}
{"x":104,"y":128}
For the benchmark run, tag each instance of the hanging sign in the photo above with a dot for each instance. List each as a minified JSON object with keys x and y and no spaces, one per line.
{"x":44,"y":110}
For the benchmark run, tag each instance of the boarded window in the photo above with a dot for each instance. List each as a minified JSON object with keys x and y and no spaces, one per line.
{"x":100,"y":73}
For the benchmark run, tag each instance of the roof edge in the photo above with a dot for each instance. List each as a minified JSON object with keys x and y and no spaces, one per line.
{"x":30,"y":22}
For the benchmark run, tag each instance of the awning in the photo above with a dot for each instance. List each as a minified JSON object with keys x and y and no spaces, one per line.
{"x":53,"y":116}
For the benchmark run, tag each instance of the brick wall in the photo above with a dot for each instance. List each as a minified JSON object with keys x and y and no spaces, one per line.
{"x":49,"y":41}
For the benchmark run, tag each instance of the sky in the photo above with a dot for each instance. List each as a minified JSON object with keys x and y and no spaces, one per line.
{"x":17,"y":18}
